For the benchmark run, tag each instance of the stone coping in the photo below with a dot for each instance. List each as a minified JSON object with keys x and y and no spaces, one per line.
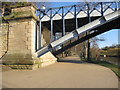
{"x":22,"y":12}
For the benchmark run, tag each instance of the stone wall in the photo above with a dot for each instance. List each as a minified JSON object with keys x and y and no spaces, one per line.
{"x":28,"y":8}
{"x":3,"y":38}
{"x":18,"y":42}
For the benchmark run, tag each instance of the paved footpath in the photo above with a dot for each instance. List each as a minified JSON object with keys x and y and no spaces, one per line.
{"x":65,"y":74}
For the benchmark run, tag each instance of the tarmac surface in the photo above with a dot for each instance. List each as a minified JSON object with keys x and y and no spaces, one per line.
{"x":70,"y":72}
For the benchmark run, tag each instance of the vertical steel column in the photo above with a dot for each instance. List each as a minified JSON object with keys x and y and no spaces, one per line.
{"x":54,"y":36}
{"x":75,"y":15}
{"x":88,"y":42}
{"x":51,"y":26}
{"x":76,"y":22}
{"x":36,"y":36}
{"x":88,"y":13}
{"x":40,"y":32}
{"x":63,"y":27}
{"x":63,"y":22}
{"x":101,"y":8}
{"x":117,"y":5}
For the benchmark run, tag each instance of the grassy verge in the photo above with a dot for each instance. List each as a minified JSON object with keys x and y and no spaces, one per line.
{"x":114,"y":68}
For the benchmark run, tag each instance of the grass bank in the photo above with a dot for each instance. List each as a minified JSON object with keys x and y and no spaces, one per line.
{"x":113,"y":67}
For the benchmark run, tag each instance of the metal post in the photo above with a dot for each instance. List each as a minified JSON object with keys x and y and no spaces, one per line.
{"x":117,"y":3}
{"x":63,"y":22}
{"x":51,"y":23}
{"x":63,"y":27}
{"x":40,"y":34}
{"x":76,"y":22}
{"x":88,"y":42}
{"x":88,"y":50}
{"x":101,"y":8}
{"x":36,"y":36}
{"x":88,"y":13}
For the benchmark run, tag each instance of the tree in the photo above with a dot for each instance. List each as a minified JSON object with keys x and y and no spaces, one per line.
{"x":95,"y":50}
{"x":40,"y":4}
{"x":113,"y":50}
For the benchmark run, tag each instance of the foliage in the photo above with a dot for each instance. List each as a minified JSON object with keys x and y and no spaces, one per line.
{"x":112,"y":46}
{"x":94,"y":49}
{"x":113,"y":50}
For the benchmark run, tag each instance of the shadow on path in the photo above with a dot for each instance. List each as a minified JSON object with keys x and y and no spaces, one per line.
{"x":71,"y":59}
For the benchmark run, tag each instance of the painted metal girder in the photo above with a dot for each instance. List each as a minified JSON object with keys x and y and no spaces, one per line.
{"x":88,"y":27}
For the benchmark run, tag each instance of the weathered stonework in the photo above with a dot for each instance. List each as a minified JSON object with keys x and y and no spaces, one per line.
{"x":3,"y":38}
{"x":46,"y":31}
{"x":18,"y":42}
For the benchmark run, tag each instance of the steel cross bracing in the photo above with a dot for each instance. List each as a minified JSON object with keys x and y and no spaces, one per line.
{"x":85,"y":10}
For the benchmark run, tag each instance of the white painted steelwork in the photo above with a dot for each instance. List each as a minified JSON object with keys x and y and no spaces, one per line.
{"x":83,"y":29}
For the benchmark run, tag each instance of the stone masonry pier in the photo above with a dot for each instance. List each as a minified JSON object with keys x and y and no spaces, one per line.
{"x":17,"y":40}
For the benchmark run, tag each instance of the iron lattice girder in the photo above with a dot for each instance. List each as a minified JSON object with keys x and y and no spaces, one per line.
{"x":86,"y":28}
{"x":76,"y":10}
{"x":101,"y":7}
{"x":70,"y":18}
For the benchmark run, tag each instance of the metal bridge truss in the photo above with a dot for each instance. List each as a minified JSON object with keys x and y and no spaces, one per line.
{"x":103,"y":8}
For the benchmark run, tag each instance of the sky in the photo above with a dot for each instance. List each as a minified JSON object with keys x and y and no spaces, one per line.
{"x":111,"y":38}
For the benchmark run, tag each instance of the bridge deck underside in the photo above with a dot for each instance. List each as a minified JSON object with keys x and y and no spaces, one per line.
{"x":69,"y":24}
